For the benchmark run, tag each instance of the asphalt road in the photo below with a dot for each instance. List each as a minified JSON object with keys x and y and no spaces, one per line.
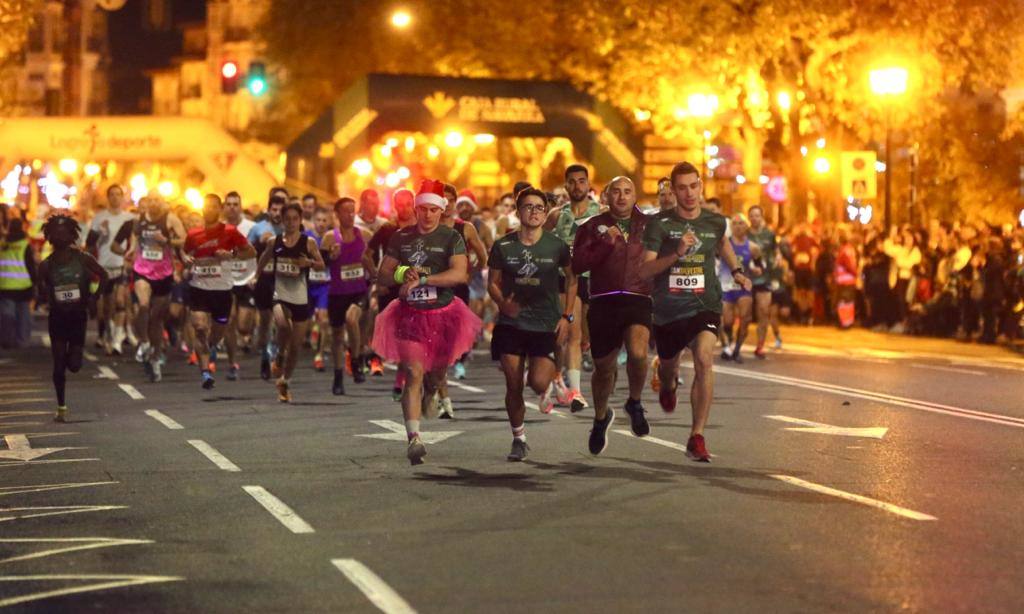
{"x":167,"y":498}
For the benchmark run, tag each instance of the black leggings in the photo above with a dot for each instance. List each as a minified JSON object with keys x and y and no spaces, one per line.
{"x":67,"y":342}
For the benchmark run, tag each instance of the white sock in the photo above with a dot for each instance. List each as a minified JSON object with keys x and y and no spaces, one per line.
{"x":412,"y":427}
{"x":519,"y":432}
{"x":574,"y":379}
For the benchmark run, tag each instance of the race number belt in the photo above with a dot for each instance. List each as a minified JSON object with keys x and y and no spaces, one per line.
{"x":679,"y":282}
{"x":67,"y":294}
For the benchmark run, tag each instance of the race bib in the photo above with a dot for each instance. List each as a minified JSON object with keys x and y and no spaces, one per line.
{"x":322,"y":276}
{"x":206,"y":271}
{"x":287,"y":267}
{"x":269,"y":268}
{"x":422,"y":294}
{"x":239,"y":266}
{"x":352,"y":272}
{"x":680,"y":282}
{"x":152,"y":254}
{"x":67,"y":294}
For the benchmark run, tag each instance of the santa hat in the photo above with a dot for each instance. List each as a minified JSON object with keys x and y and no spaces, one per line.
{"x":465,"y":196}
{"x":431,"y":192}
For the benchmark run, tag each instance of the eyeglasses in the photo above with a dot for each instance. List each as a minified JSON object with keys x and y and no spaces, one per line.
{"x":534,"y":208}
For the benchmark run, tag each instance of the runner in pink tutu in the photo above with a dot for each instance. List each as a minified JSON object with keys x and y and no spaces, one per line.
{"x":429,"y":327}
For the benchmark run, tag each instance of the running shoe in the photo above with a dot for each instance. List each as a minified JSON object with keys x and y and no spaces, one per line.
{"x":156,"y":369}
{"x":459,"y":371}
{"x":519,"y":451}
{"x":778,"y":343}
{"x":207,"y":380}
{"x":736,"y":358}
{"x":132,"y":339}
{"x":396,"y":394}
{"x":283,"y":394}
{"x":147,"y":368}
{"x":142,"y":352}
{"x":416,"y":451}
{"x":376,"y":366}
{"x":655,"y":378}
{"x":667,"y":398}
{"x":275,"y":366}
{"x":622,"y":358}
{"x":562,"y":395}
{"x":576,"y":401}
{"x":211,"y":366}
{"x":726,"y":354}
{"x":338,"y":388}
{"x":544,"y":403}
{"x":697,"y":450}
{"x":587,"y":362}
{"x":637,"y":421}
{"x":116,"y":349}
{"x":759,"y":354}
{"x":318,"y":362}
{"x":348,"y":362}
{"x":233,"y":372}
{"x":193,"y":359}
{"x":359,"y":373}
{"x":265,"y":366}
{"x":445,"y":410}
{"x":599,"y":432}
{"x":62,"y":414}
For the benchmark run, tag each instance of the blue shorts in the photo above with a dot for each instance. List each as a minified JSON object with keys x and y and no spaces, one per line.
{"x":318,"y":296}
{"x":732,"y":296}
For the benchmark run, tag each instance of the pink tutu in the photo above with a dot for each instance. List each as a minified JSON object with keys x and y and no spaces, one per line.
{"x":433,"y":337}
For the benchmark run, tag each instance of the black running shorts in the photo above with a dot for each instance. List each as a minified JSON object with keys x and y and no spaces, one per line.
{"x":338,"y":304}
{"x":610,"y":315}
{"x":676,"y":336}
{"x":217,"y":303}
{"x":510,"y":340}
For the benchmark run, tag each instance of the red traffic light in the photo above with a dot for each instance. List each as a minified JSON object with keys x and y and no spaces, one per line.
{"x":229,"y":70}
{"x":229,"y":77}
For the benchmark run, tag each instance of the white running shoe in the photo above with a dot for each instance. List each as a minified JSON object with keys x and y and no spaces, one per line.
{"x":445,"y":409}
{"x":142,"y":353}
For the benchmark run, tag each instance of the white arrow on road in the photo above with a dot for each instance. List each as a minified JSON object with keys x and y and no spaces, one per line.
{"x":398,"y":433}
{"x":20,"y":449}
{"x":806,"y":426}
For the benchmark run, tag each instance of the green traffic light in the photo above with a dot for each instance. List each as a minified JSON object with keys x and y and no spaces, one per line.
{"x":257,"y":86}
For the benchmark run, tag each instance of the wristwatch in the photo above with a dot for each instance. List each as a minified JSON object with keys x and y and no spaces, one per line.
{"x":423,"y":279}
{"x":569,"y":317}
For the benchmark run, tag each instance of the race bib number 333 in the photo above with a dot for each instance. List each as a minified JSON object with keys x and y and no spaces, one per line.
{"x":685,"y":280}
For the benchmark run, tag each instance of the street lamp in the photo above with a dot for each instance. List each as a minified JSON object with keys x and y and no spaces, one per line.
{"x":401,"y":19}
{"x":703,"y":106}
{"x":888,"y":83}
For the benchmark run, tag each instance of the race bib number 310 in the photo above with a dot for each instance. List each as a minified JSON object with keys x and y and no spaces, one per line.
{"x":681,"y":280}
{"x":423,"y":294}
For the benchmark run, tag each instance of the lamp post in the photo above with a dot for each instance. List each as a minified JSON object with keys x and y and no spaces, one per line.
{"x":703,"y":106}
{"x":888,"y":83}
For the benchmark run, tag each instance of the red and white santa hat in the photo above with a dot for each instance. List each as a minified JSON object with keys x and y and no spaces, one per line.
{"x":431,"y":193}
{"x":466,"y":196}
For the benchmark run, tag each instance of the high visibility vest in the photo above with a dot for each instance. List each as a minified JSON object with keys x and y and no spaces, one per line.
{"x":13,"y":272}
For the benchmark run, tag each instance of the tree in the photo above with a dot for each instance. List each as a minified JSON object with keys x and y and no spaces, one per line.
{"x":16,"y":17}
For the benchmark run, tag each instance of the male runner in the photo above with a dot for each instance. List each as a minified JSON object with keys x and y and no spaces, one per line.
{"x":350,"y":267}
{"x":261,"y":236}
{"x":208,"y":252}
{"x":318,"y":287}
{"x":64,"y":284}
{"x":764,"y":238}
{"x":737,"y":302}
{"x":564,"y":222}
{"x":155,"y":236}
{"x":369,"y":210}
{"x":309,"y":209}
{"x":525,"y":268}
{"x":680,"y":255}
{"x":113,"y":298}
{"x":610,"y":246}
{"x":243,"y":276}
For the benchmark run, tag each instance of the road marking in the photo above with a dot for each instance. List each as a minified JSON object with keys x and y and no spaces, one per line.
{"x":54,"y":510}
{"x":466,"y":387}
{"x":215,"y":457}
{"x":43,"y":462}
{"x":85,"y":543}
{"x":20,"y":449}
{"x":949,"y":369}
{"x":928,"y":406}
{"x":47,"y":343}
{"x":17,"y":401}
{"x":89,"y":356}
{"x":106,"y":373}
{"x":110,"y":581}
{"x":806,"y":426}
{"x":882,"y":505}
{"x":397,"y":433}
{"x":278,"y":509}
{"x":375,"y":589}
{"x":131,"y":391}
{"x":164,"y":419}
{"x":7,"y":391}
{"x":535,"y":407}
{"x":660,"y":442}
{"x":16,"y":490}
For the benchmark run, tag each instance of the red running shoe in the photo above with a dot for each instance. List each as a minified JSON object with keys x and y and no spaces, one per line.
{"x":376,"y":366}
{"x":759,"y":353}
{"x":667,"y":398}
{"x":696,"y":450}
{"x":193,"y":359}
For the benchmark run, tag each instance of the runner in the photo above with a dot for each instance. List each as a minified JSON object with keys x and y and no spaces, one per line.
{"x":369,"y":209}
{"x":680,"y":255}
{"x":155,"y":236}
{"x":318,"y":287}
{"x":611,"y":247}
{"x":564,"y":223}
{"x":737,"y":302}
{"x":207,"y":252}
{"x":290,"y":256}
{"x":64,"y":284}
{"x":764,"y":238}
{"x":113,"y":296}
{"x":429,"y":328}
{"x":525,"y":268}
{"x":350,"y":267}
{"x":404,"y":217}
{"x":262,"y":236}
{"x":243,"y":277}
{"x":309,"y":209}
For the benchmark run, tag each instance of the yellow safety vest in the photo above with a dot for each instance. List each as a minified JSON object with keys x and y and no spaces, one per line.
{"x":13,"y":271}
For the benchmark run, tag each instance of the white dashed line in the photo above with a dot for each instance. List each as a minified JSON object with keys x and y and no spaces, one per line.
{"x":882,"y":505}
{"x":89,"y":356}
{"x":660,"y":442}
{"x":949,"y":369}
{"x":278,"y":509}
{"x":107,"y":373}
{"x":163,"y":419}
{"x":215,"y":457}
{"x":375,"y":589}
{"x":466,"y":387}
{"x":131,"y":391}
{"x":100,"y":583}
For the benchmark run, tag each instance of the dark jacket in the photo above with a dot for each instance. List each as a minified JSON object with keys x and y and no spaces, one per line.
{"x":614,"y":265}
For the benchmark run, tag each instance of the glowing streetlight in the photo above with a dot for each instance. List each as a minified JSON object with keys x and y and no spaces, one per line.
{"x":784,"y":100}
{"x":362,"y":167}
{"x":453,"y":139}
{"x":888,"y":83}
{"x":822,"y":166}
{"x":703,"y":106}
{"x":401,"y":19}
{"x":68,"y":166}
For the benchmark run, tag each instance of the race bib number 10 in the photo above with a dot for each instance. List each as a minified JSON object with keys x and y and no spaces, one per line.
{"x":423,"y":294}
{"x":679,"y":282}
{"x":67,"y":294}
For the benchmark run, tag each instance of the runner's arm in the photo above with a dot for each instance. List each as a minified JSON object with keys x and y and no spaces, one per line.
{"x":318,"y":260}
{"x":729,"y":256}
{"x":457,"y":273}
{"x":94,"y":267}
{"x":590,"y":250}
{"x":476,"y":245}
{"x":178,"y":234}
{"x":264,"y":259}
{"x":43,"y":285}
{"x":386,"y":274}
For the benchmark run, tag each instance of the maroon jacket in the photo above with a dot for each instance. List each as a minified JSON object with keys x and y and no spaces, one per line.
{"x":614,"y":265}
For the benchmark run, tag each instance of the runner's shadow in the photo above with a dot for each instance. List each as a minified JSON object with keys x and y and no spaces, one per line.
{"x":604,"y":472}
{"x":518,"y":482}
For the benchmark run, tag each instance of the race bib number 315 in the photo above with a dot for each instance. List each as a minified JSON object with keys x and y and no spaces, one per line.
{"x":680,"y":281}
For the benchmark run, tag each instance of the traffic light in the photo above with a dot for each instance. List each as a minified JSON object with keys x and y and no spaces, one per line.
{"x":257,"y":78}
{"x":229,"y":77}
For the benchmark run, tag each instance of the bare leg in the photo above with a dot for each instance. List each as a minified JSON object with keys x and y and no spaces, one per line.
{"x":702,"y":392}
